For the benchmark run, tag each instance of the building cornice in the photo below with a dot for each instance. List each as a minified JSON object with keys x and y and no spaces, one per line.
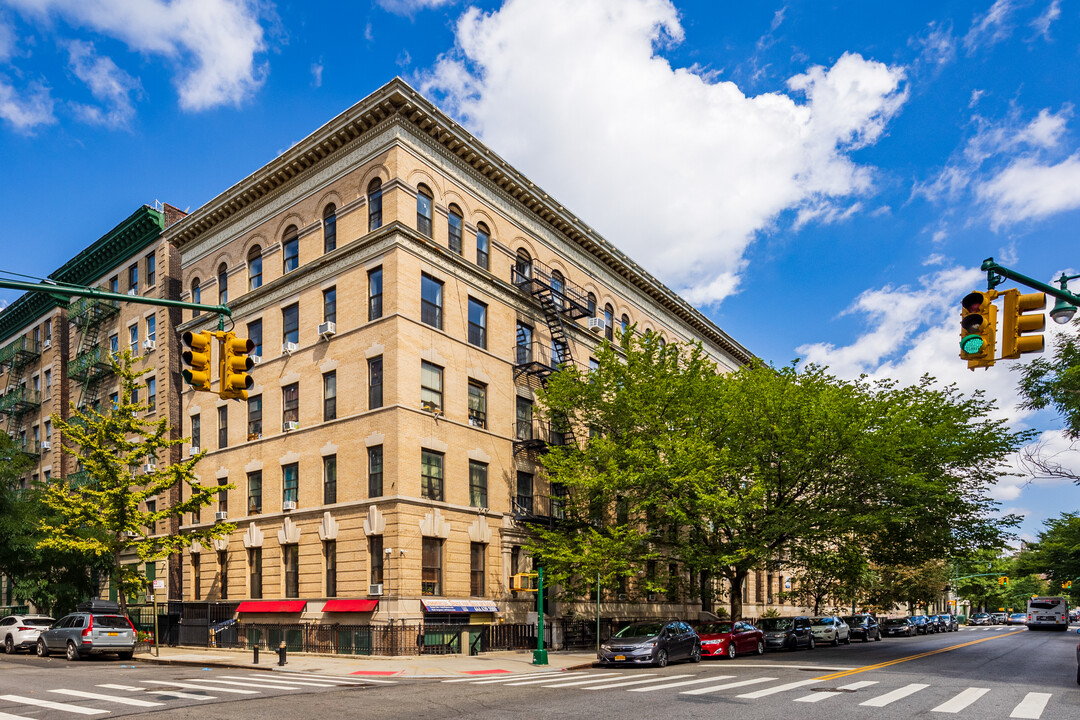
{"x":397,"y":100}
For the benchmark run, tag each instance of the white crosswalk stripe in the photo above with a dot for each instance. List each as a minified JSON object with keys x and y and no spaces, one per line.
{"x":245,"y":684}
{"x":534,"y":681}
{"x":65,"y":707}
{"x":592,"y":679}
{"x":727,"y":686}
{"x":111,"y":698}
{"x":159,"y":693}
{"x":508,"y":677}
{"x":826,"y":694}
{"x":684,"y":683}
{"x":199,"y":686}
{"x":8,"y":716}
{"x":1032,"y":706}
{"x":778,"y":689}
{"x":961,"y":701}
{"x":334,"y":678}
{"x":633,"y":682}
{"x":898,"y":694}
{"x":261,"y":680}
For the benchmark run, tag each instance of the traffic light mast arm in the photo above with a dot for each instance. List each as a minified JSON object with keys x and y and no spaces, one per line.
{"x":68,"y":291}
{"x":997,"y":274}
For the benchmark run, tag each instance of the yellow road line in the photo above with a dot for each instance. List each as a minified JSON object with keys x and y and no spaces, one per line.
{"x":915,"y":657}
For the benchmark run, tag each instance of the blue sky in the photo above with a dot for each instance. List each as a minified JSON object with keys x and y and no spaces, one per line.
{"x":824,"y":179}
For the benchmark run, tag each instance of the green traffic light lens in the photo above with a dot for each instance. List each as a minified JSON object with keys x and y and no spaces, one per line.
{"x":971,"y":344}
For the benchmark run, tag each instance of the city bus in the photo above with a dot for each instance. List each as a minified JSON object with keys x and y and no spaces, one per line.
{"x":1048,"y":612}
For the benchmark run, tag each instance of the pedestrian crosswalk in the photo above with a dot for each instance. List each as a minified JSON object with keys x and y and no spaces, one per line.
{"x":106,"y":698}
{"x":876,"y":692}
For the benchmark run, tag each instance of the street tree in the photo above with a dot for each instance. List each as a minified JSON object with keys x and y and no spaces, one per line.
{"x":1056,"y":554}
{"x":103,"y":511}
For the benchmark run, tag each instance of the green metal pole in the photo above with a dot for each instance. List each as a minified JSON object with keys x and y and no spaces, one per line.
{"x":540,"y":654}
{"x":598,"y":613}
{"x":65,"y":291}
{"x":996,"y":274}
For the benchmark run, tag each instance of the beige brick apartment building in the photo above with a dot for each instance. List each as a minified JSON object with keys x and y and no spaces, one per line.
{"x":405,"y":288}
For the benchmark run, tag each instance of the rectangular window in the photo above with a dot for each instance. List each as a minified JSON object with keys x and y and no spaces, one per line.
{"x":524,"y":502}
{"x":477,"y":323}
{"x":523,"y":419}
{"x":431,"y":475}
{"x":329,"y":386}
{"x":290,"y":254}
{"x":329,"y":305}
{"x":331,"y":568}
{"x":375,"y":555}
{"x":223,"y":495}
{"x":114,"y":284}
{"x":223,"y":573}
{"x":114,"y":344}
{"x":375,"y":471}
{"x":254,"y":333}
{"x":524,"y":344}
{"x":48,"y":430}
{"x":453,"y":225}
{"x":255,"y":263}
{"x":431,"y":580}
{"x":430,"y":386}
{"x":482,"y":248}
{"x":196,"y":576}
{"x":196,"y":430}
{"x":133,"y":338}
{"x":223,"y":426}
{"x":290,"y":323}
{"x":374,"y":279}
{"x":290,"y":408}
{"x":375,"y":383}
{"x":151,"y":270}
{"x":255,"y":572}
{"x":135,"y":395}
{"x":290,"y":482}
{"x":151,"y":393}
{"x":151,"y":328}
{"x":477,"y":404}
{"x":48,"y":384}
{"x":254,"y":429}
{"x":133,"y":278}
{"x":290,"y":556}
{"x":329,"y":479}
{"x":254,"y":492}
{"x":477,"y":569}
{"x":478,"y":484}
{"x":431,"y":301}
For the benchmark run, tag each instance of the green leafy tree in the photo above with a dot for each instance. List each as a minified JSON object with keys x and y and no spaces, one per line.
{"x":102,"y":514}
{"x":1054,"y":382}
{"x":1056,"y":554}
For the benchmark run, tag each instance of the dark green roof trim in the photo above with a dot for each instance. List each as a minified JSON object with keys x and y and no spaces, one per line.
{"x":142,"y":228}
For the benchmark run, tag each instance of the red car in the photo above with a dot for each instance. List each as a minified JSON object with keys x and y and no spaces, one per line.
{"x":725,"y":638}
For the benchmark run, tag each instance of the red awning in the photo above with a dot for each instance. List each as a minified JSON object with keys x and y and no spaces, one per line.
{"x":350,"y":605}
{"x":272,"y":606}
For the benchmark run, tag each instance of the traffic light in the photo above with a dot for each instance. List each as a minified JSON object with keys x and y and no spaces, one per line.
{"x":1067,"y":585}
{"x":197,"y":359}
{"x":978,"y":328}
{"x":235,"y":364}
{"x":1018,"y":319}
{"x":1003,"y":581}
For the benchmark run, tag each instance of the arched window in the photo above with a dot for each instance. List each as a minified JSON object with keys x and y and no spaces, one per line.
{"x":329,"y":224}
{"x":223,"y":283}
{"x":374,"y":199}
{"x":254,"y":267}
{"x":609,"y":322}
{"x":290,"y":245}
{"x":196,"y":296}
{"x":663,"y":342}
{"x":592,"y":305}
{"x":483,"y":246}
{"x":624,"y":323}
{"x":423,"y":210}
{"x":522,"y":267}
{"x":453,"y":229}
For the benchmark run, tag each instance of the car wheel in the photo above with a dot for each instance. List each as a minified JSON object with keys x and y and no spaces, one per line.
{"x":847,"y":640}
{"x":127,"y":655}
{"x":42,"y":648}
{"x":72,"y":651}
{"x":731,"y":649}
{"x":1078,"y":674}
{"x":661,"y":658}
{"x":761,"y":648}
{"x":810,"y":643}
{"x":836,"y":639}
{"x":909,"y":632}
{"x":9,"y":646}
{"x":877,"y":636}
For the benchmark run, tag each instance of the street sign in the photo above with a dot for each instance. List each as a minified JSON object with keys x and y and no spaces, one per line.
{"x":159,"y":584}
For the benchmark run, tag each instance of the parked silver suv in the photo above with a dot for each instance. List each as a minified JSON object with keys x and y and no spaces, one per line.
{"x":91,"y":632}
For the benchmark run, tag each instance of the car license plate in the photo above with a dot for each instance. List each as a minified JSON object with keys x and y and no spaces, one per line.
{"x":112,"y":634}
{"x":620,"y":657}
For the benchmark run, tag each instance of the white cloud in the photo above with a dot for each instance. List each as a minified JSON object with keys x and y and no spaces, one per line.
{"x":108,"y":84}
{"x":411,"y":7}
{"x":212,"y":43}
{"x":316,"y":74}
{"x":28,"y":110}
{"x":1046,"y":19}
{"x":935,"y":258}
{"x":976,"y":96}
{"x":937,"y":45}
{"x":1028,"y":189}
{"x":990,"y":27}
{"x":7,"y":41}
{"x":576,"y":96}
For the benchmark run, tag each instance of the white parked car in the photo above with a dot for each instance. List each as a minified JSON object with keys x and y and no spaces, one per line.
{"x":830,"y":629}
{"x":20,"y":632}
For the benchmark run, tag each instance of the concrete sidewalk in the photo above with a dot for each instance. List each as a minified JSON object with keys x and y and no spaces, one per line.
{"x":490,"y":663}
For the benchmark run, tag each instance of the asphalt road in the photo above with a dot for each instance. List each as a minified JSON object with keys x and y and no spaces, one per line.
{"x":1001,"y":672}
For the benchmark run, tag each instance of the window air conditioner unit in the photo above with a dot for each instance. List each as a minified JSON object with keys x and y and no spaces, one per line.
{"x":149,"y":344}
{"x":289,"y":425}
{"x":621,"y":597}
{"x":652,"y":597}
{"x":46,"y":445}
{"x":288,"y":505}
{"x":255,"y":359}
{"x":130,"y":534}
{"x":289,"y":348}
{"x":597,"y":325}
{"x":133,"y":291}
{"x":47,"y":344}
{"x":327,"y":329}
{"x":149,"y":467}
{"x":375,"y":589}
{"x":195,"y":450}
{"x":220,"y":516}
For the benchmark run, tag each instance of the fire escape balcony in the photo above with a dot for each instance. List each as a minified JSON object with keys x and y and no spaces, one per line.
{"x":90,"y":364}
{"x":538,"y":280}
{"x":539,"y":509}
{"x":20,"y":401}
{"x":539,"y":435}
{"x":537,"y":360}
{"x":28,"y":447}
{"x":87,"y":311}
{"x":19,"y":353}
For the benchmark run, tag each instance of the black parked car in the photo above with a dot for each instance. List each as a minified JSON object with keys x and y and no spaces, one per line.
{"x":787,"y":632}
{"x":652,"y":643}
{"x":898,"y":626}
{"x":863,"y":626}
{"x":981,"y":619}
{"x":951,"y":623}
{"x":922,"y":624}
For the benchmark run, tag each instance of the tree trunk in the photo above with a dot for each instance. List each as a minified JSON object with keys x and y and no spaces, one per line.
{"x":736,"y":579}
{"x":705,"y":578}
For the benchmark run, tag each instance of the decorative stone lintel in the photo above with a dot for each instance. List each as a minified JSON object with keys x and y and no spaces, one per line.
{"x":253,"y":466}
{"x":433,"y":443}
{"x":375,"y":522}
{"x":289,"y":534}
{"x":435,"y":525}
{"x":375,"y":350}
{"x":289,"y":458}
{"x":479,"y":532}
{"x":221,"y":544}
{"x":253,"y":537}
{"x":479,"y":456}
{"x":328,"y":449}
{"x":196,"y":548}
{"x":328,"y":528}
{"x":375,"y":438}
{"x":222,"y":472}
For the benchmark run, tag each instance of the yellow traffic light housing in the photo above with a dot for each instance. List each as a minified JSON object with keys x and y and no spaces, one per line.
{"x":197,"y":358}
{"x":978,"y":328}
{"x":1003,"y":581}
{"x":1019,"y":318}
{"x":235,"y":364}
